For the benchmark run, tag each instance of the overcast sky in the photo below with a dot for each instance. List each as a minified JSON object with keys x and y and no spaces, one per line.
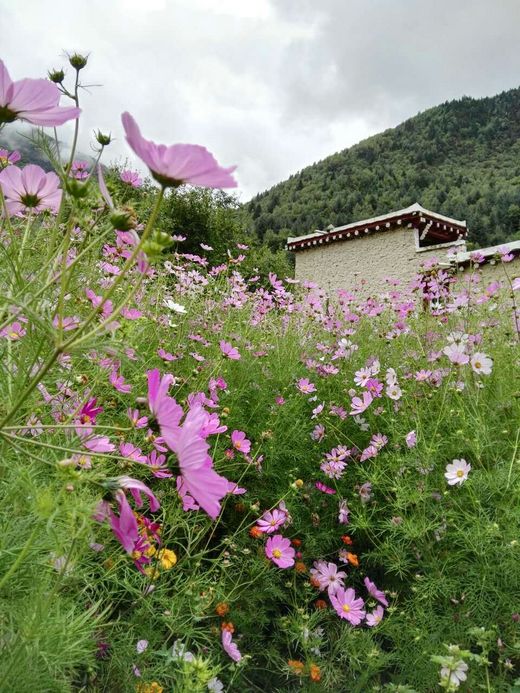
{"x":269,"y":85}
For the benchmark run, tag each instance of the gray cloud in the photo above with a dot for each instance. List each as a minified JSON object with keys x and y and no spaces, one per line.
{"x":271,"y":85}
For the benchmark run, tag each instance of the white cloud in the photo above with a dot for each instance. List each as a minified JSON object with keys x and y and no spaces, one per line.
{"x":269,"y":85}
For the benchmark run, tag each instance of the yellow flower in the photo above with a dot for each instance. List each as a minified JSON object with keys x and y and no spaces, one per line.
{"x":168,"y":558}
{"x":153,"y":687}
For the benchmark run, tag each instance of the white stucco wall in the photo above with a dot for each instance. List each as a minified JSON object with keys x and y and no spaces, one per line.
{"x":364,"y":262}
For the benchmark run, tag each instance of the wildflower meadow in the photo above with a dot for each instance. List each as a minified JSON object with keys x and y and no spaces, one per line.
{"x":216,"y":478}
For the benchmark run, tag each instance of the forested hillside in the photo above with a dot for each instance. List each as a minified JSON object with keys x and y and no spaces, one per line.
{"x":461,"y":158}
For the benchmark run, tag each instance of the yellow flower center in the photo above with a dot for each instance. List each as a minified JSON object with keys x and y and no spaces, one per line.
{"x":478,"y":364}
{"x":14,"y":335}
{"x":460,"y":473}
{"x":346,"y":608}
{"x":277,"y":553}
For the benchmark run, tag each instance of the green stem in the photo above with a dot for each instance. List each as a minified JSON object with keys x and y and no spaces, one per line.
{"x":63,"y":347}
{"x":23,"y":553}
{"x":513,"y":459}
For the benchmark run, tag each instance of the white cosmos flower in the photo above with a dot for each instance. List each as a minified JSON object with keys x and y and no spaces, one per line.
{"x":481,"y":363}
{"x":168,"y":303}
{"x":457,"y":472}
{"x":455,"y":676}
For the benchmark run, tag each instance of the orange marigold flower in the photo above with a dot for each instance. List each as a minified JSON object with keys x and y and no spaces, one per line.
{"x":352,"y":559}
{"x":347,"y":540}
{"x":255,"y":532}
{"x":320,"y":604}
{"x":227,"y":625}
{"x":315,"y":672}
{"x":222,"y":609}
{"x":296,"y":666}
{"x":296,"y":542}
{"x":300,"y":567}
{"x":314,"y":582}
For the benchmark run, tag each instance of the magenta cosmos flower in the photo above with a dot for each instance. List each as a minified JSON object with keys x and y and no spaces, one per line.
{"x":179,"y":163}
{"x":347,"y":606}
{"x":279,"y":550}
{"x":188,"y":442}
{"x":240,"y":442}
{"x":30,"y":190}
{"x":271,"y":521}
{"x":33,"y":100}
{"x":373,"y":591}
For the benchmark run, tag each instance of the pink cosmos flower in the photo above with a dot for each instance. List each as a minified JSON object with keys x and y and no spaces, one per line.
{"x":30,"y":190}
{"x":137,"y":487}
{"x":324,"y":489}
{"x":347,"y":606}
{"x":131,"y":178}
{"x":481,"y":364}
{"x":33,"y":100}
{"x":141,"y":646}
{"x":343,"y":513}
{"x":158,"y":465}
{"x":229,"y":350}
{"x":179,"y":163}
{"x":240,"y":442}
{"x":374,"y":592}
{"x":118,"y":382}
{"x":79,"y":170}
{"x":375,"y":617}
{"x":96,"y":443}
{"x":132,"y":452}
{"x":271,"y":521}
{"x":328,"y":576}
{"x":368,"y":453}
{"x":279,"y":550}
{"x":67,"y":323}
{"x":14,"y":331}
{"x":8,"y":158}
{"x":200,"y":479}
{"x":456,"y":353}
{"x":411,"y":439}
{"x":136,"y":419}
{"x":158,"y":395}
{"x":457,"y":472}
{"x":360,"y":404}
{"x":230,"y":648}
{"x":305,"y":386}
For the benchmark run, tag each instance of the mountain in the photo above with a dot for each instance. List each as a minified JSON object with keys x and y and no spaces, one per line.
{"x":461,"y":159}
{"x":24,"y":139}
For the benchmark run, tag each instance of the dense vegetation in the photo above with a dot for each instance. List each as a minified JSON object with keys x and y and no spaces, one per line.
{"x":461,"y":158}
{"x":216,"y":481}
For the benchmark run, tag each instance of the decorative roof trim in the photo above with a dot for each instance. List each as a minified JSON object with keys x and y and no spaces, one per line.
{"x":414,"y":213}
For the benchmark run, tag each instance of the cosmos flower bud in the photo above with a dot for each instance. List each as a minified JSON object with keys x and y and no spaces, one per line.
{"x":76,"y":188}
{"x":78,"y":61}
{"x":56,"y":76}
{"x":103,"y":140}
{"x":123,"y":219}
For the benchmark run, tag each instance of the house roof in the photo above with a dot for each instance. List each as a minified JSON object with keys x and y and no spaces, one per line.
{"x":488,"y":253}
{"x":437,"y":225}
